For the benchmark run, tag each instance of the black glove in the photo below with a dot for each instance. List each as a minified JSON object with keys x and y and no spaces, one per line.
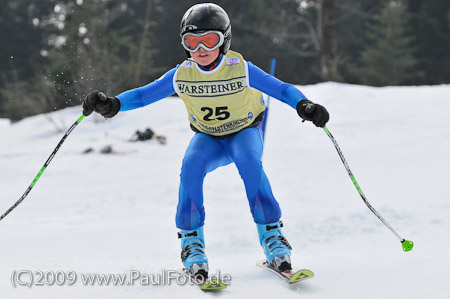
{"x":316,"y":113}
{"x":106,"y":106}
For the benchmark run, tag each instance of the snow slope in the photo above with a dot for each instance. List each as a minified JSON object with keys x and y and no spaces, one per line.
{"x":102,"y":214}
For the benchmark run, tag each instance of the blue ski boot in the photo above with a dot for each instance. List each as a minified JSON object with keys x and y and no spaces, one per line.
{"x":275,"y":245}
{"x":192,"y":253}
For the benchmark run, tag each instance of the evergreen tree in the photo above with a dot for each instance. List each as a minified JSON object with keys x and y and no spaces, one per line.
{"x":105,"y":46}
{"x":388,"y":57}
{"x":431,"y":24}
{"x":56,"y":51}
{"x":24,"y":24}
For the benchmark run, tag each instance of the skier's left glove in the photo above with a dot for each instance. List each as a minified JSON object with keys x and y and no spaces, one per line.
{"x":107,"y":107}
{"x":319,"y":116}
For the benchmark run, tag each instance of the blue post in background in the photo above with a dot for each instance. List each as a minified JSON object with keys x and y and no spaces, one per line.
{"x":263,"y":124}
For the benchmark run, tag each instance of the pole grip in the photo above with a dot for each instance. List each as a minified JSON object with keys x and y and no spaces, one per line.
{"x":101,"y":96}
{"x":310,"y":108}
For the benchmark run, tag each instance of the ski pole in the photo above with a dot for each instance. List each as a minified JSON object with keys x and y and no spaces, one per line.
{"x":406,"y":244}
{"x":103,"y":97}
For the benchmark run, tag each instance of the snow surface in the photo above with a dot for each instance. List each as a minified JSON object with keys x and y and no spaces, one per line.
{"x":97,"y":213}
{"x":4,"y":122}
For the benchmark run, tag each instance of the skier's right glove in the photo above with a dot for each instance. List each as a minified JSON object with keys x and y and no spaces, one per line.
{"x":319,"y":115}
{"x":106,"y":106}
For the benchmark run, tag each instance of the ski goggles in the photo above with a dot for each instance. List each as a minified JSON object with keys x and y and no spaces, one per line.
{"x":209,"y":40}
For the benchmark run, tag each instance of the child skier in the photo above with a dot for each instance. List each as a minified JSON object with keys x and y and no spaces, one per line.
{"x":222,"y":94}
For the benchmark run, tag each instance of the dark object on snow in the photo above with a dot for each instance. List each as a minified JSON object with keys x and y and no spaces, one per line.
{"x":106,"y":149}
{"x":148,"y":134}
{"x":161,"y":139}
{"x":142,"y":136}
{"x":88,"y":150}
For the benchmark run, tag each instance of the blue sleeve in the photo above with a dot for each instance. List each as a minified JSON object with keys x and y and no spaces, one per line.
{"x":148,"y":94}
{"x":274,"y":87}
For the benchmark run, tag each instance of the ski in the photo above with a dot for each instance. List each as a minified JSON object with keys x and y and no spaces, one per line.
{"x":208,"y":285}
{"x":290,"y":276}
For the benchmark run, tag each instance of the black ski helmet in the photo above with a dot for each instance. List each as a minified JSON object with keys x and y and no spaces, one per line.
{"x":204,"y":17}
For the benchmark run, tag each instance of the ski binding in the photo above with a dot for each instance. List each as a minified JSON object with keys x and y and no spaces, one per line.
{"x":290,"y":276}
{"x":205,"y":285}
